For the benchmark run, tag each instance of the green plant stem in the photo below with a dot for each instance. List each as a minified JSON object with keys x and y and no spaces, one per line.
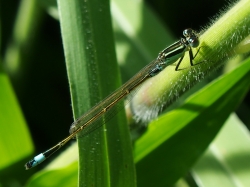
{"x":92,"y":72}
{"x":217,"y":45}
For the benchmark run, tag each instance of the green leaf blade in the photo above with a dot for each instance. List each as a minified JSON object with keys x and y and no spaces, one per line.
{"x":176,"y":140}
{"x":226,"y":162}
{"x":92,"y":72}
{"x":19,"y":145}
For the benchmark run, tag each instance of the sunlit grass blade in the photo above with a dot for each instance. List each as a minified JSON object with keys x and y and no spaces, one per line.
{"x":139,"y":35}
{"x":226,"y":162}
{"x":15,"y":140}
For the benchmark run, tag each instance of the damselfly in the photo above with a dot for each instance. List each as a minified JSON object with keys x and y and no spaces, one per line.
{"x":165,"y":58}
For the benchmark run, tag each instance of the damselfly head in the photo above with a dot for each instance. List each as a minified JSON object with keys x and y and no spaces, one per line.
{"x":191,"y":37}
{"x":193,"y":41}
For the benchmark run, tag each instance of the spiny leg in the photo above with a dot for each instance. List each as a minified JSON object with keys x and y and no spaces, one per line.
{"x":191,"y":58}
{"x":178,"y":64}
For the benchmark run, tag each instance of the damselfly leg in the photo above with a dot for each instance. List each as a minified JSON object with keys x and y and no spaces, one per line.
{"x":191,"y":58}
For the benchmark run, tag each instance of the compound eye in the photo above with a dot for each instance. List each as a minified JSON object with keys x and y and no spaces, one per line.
{"x":187,"y":32}
{"x":193,"y":42}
